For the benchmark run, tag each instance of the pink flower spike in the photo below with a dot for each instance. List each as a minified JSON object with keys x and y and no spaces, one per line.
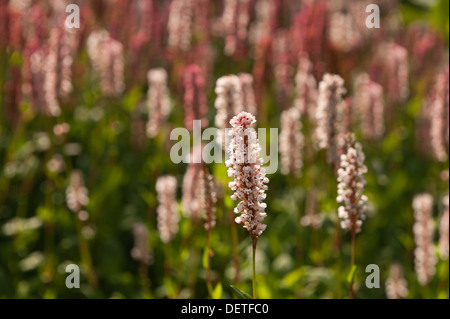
{"x":249,"y":177}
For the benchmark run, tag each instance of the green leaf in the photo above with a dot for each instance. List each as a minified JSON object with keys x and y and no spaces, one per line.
{"x":45,"y":214}
{"x":229,"y":203}
{"x":293,"y":277}
{"x":438,"y":18}
{"x":15,"y":58}
{"x":205,"y":259}
{"x":131,"y":100}
{"x":240,"y":294}
{"x":184,"y":255}
{"x":352,"y":274}
{"x":170,"y":287}
{"x":217,"y":292}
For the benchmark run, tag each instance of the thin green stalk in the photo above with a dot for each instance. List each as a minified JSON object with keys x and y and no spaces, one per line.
{"x":49,"y":237}
{"x":352,"y":292}
{"x":85,"y":254}
{"x":168,"y":260}
{"x":236,"y":258}
{"x":208,"y":268}
{"x":254,"y":241}
{"x":191,"y":279}
{"x":339,"y":274}
{"x":188,"y":243}
{"x":145,"y":280}
{"x":172,"y":289}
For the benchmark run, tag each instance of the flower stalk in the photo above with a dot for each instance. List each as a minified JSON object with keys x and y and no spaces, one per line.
{"x":351,"y":184}
{"x":249,"y":179}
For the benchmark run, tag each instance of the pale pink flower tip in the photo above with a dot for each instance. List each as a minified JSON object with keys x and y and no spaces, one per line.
{"x":243,"y":119}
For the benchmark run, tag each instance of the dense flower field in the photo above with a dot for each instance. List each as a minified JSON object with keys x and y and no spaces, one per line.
{"x":221,"y":149}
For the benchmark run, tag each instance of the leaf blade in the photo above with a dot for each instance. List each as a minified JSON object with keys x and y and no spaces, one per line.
{"x":240,"y":294}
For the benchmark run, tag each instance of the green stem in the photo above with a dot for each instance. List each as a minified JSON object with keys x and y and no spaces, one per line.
{"x":168,"y":259}
{"x":236,"y":258}
{"x":145,"y":280}
{"x":208,"y":268}
{"x":352,"y":292}
{"x":168,"y":270}
{"x":254,"y":241}
{"x":85,"y":254}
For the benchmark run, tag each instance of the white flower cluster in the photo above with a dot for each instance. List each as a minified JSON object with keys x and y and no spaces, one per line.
{"x":397,"y":72}
{"x":180,"y":24}
{"x":234,"y":24}
{"x":370,"y":104}
{"x":306,"y":87}
{"x":343,"y":34}
{"x":444,"y":231}
{"x":51,"y":74}
{"x":250,"y":178}
{"x":351,"y":182}
{"x":208,"y":198}
{"x":141,"y":250}
{"x":425,"y":258}
{"x":191,"y":202}
{"x":248,"y":93}
{"x":396,"y":284}
{"x":168,"y":217}
{"x":330,"y":116}
{"x":106,"y":55}
{"x":229,"y":99}
{"x":291,"y":142}
{"x":77,"y":195}
{"x":261,"y":27}
{"x":438,"y":115}
{"x":158,"y":101}
{"x":312,"y":218}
